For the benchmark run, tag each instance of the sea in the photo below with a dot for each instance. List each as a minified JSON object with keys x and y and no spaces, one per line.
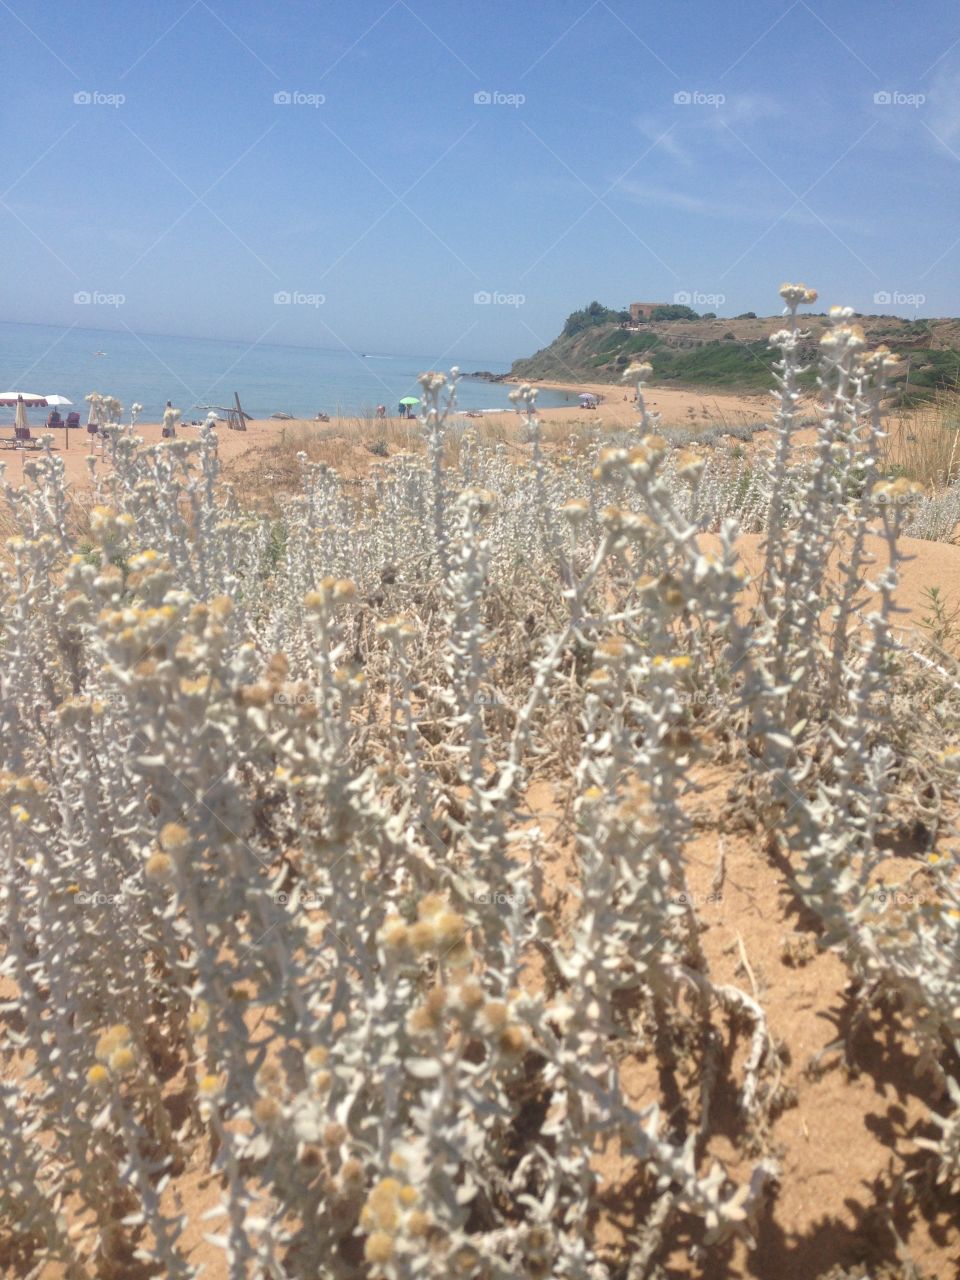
{"x":198,"y":373}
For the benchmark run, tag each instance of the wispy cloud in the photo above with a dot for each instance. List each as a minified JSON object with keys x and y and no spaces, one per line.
{"x":744,"y":206}
{"x":943,"y":105}
{"x":668,"y":144}
{"x":746,"y":109}
{"x":697,"y":126}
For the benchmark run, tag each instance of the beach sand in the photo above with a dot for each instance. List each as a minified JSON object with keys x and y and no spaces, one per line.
{"x":677,"y":408}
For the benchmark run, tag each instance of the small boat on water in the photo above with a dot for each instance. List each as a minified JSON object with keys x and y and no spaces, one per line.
{"x":99,"y":353}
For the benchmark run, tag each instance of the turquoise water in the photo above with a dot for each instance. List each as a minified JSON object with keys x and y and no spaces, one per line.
{"x":199,"y":371}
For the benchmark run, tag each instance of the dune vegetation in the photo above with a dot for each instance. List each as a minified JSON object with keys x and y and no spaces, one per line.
{"x":474,"y":870}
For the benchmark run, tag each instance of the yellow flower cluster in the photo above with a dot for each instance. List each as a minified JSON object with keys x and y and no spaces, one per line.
{"x":390,"y":1214}
{"x":844,"y":337}
{"x":399,"y":628}
{"x":682,"y":662}
{"x":632,"y":524}
{"x":149,"y":571}
{"x":609,"y":461}
{"x":22,"y":786}
{"x":200,"y":686}
{"x":115,"y":1049}
{"x":174,"y":837}
{"x":159,"y":868}
{"x":437,"y":930}
{"x":481,"y":501}
{"x":74,"y":713}
{"x":576,"y":510}
{"x":466,"y":1005}
{"x":882,"y":358}
{"x":139,"y":631}
{"x":315,"y":1064}
{"x":600,"y":680}
{"x":614,"y":649}
{"x":210,"y":1088}
{"x":106,"y":526}
{"x":688,"y":464}
{"x":350,"y":679}
{"x":332,"y":593}
{"x":794,"y":294}
{"x":298,"y":697}
{"x":385,"y":1203}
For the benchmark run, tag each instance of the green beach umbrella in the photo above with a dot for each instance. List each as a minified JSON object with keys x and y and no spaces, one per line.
{"x":409,"y":400}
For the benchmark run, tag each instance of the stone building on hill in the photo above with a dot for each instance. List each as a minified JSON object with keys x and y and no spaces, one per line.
{"x":643,"y":310}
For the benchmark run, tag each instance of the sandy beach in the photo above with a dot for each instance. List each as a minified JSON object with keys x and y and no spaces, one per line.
{"x":677,"y":407}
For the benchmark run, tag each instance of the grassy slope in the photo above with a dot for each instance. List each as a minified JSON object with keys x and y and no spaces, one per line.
{"x":733,"y":354}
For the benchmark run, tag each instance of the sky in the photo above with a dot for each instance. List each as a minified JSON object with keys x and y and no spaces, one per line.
{"x":412,"y":176}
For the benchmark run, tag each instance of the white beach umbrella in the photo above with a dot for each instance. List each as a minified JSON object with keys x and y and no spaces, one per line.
{"x":57,"y":400}
{"x":29,"y":399}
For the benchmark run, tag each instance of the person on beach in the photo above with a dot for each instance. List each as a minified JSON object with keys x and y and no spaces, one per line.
{"x":402,"y":410}
{"x":381,"y":410}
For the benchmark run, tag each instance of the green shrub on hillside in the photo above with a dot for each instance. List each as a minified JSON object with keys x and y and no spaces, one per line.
{"x":674,"y":311}
{"x":589,"y":317}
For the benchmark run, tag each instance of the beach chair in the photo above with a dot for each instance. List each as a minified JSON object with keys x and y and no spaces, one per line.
{"x":73,"y":419}
{"x":54,"y":419}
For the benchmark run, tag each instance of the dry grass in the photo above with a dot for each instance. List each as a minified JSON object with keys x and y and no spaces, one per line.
{"x":924,"y":443}
{"x":353,"y":446}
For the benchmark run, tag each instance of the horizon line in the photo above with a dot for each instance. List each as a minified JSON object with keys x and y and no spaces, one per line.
{"x":189,"y":337}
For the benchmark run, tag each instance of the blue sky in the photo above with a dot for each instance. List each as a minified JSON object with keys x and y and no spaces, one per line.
{"x":626,"y":153}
